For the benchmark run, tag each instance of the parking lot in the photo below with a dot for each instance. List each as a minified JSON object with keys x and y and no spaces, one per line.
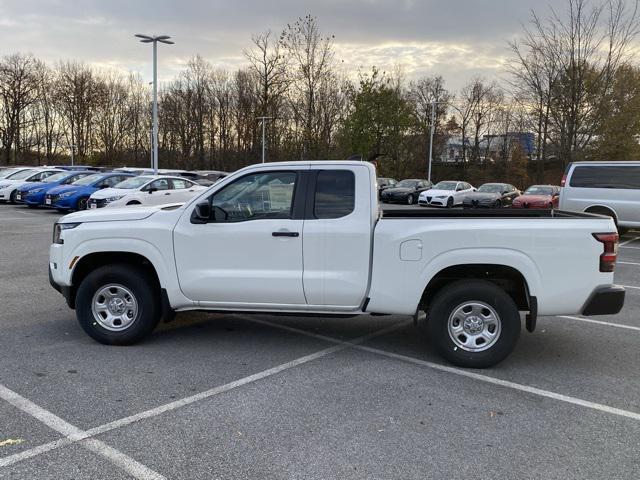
{"x":233,"y":396}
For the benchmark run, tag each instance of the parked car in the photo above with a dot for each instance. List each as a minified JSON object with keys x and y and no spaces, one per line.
{"x":76,"y":195}
{"x":10,"y":184}
{"x":384,"y":183}
{"x":11,"y":170}
{"x":33,"y":194}
{"x":491,"y":195}
{"x":146,"y":190}
{"x":405,"y":191}
{"x":538,"y":196}
{"x":125,"y":269}
{"x":447,"y":193}
{"x":607,"y":188}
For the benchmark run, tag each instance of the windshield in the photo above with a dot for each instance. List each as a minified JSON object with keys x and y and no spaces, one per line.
{"x":539,"y":190}
{"x":135,"y":182}
{"x":56,"y":177}
{"x":407,"y":183}
{"x":21,"y":175}
{"x":7,"y":172}
{"x":445,"y":186}
{"x":88,"y":180}
{"x":492,"y":188}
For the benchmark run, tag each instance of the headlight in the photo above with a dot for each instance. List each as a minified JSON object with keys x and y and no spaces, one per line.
{"x":35,"y":190}
{"x":58,"y":228}
{"x":441,"y":196}
{"x":4,"y":185}
{"x":65,"y":194}
{"x":113,"y":199}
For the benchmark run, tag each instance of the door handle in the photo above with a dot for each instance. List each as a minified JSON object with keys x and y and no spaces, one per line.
{"x":285,"y":234}
{"x":167,"y":193}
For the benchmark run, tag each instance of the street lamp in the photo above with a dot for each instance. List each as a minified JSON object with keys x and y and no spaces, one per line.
{"x":155,"y":40}
{"x":264,"y":121}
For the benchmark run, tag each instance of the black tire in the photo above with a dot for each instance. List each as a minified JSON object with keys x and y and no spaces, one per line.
{"x":450,"y":202}
{"x":31,"y":205}
{"x":134,"y":202}
{"x":12,"y":197}
{"x":144,"y":289}
{"x":498,"y":204}
{"x":453,"y":296}
{"x":410,"y":200}
{"x":82,"y":203}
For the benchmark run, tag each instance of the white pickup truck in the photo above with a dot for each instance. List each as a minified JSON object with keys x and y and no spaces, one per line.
{"x":310,"y":238}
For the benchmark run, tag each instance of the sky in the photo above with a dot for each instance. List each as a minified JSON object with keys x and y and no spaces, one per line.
{"x":458,"y":39}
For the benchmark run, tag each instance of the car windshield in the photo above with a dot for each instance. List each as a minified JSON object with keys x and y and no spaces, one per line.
{"x":7,"y":172}
{"x":21,"y":175}
{"x":135,"y":182}
{"x":88,"y":180}
{"x":539,"y":190}
{"x":446,"y":185}
{"x":56,"y":177}
{"x":492,"y":188}
{"x":407,"y":183}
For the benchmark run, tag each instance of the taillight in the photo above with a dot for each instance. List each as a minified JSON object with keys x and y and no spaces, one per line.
{"x":564,"y":180}
{"x":610,"y":254}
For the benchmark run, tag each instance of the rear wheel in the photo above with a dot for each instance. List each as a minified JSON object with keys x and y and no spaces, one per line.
{"x":473,"y":323}
{"x":117,"y":305}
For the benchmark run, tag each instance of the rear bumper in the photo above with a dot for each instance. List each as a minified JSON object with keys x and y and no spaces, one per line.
{"x":605,"y":301}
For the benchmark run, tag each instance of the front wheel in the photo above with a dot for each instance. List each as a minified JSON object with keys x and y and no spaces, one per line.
{"x":118,"y":304}
{"x":12,"y":197}
{"x":410,"y":200}
{"x":449,"y":202}
{"x":473,"y":323}
{"x":498,"y":204}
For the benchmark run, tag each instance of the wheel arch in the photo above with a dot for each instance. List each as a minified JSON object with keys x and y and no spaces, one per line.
{"x":597,"y":206}
{"x":510,"y":279}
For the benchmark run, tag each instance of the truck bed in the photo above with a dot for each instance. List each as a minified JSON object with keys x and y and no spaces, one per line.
{"x":482,"y":213}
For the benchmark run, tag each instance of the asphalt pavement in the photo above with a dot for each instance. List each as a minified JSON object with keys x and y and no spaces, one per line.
{"x":243,"y":397}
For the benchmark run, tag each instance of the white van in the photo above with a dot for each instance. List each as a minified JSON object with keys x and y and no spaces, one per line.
{"x":607,"y":188}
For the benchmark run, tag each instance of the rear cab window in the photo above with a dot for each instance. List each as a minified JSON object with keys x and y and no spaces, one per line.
{"x":335,"y":194}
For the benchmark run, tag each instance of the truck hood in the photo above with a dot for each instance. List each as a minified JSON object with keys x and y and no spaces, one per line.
{"x":114,"y":214}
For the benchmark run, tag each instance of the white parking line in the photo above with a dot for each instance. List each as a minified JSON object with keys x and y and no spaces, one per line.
{"x":74,"y":434}
{"x":628,"y":263}
{"x":600,"y":322}
{"x":629,"y":241}
{"x":631,"y":287}
{"x":82,"y":436}
{"x":629,"y":246}
{"x":484,"y":378}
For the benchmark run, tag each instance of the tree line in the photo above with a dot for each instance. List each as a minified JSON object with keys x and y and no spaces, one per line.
{"x":571,"y":80}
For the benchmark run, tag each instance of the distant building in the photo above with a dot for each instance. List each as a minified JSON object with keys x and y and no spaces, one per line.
{"x":453,"y":150}
{"x":494,"y":145}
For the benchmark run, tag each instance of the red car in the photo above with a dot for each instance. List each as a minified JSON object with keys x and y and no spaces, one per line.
{"x":538,"y":196}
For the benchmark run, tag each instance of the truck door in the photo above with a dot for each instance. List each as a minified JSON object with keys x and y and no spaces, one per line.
{"x":337,"y":236}
{"x":249,"y":252}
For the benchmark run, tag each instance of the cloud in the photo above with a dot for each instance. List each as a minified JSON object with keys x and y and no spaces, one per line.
{"x":456,"y":39}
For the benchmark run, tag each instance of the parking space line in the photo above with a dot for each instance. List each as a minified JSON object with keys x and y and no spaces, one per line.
{"x":74,"y":434}
{"x":629,"y":246}
{"x":631,"y":240}
{"x":600,"y":322}
{"x":82,"y":436}
{"x":484,"y":378}
{"x":629,"y":263}
{"x":630,"y":286}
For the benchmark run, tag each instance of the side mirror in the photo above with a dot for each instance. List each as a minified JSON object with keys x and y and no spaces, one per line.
{"x":103,"y":185}
{"x":151,"y":190}
{"x":201,"y":213}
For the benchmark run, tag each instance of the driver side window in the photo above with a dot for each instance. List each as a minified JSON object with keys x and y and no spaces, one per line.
{"x":257,"y":196}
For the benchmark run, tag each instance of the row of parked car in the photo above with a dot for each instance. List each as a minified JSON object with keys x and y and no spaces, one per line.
{"x":452,"y":193}
{"x":70,"y":188}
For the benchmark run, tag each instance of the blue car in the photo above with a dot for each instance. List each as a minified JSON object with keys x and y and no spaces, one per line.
{"x":32,"y":194}
{"x":75,"y":196}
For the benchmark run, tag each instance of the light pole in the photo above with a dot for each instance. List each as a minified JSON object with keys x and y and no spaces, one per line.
{"x":155,"y":40}
{"x":73,"y":148}
{"x":264,"y":121}
{"x":434,"y":104}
